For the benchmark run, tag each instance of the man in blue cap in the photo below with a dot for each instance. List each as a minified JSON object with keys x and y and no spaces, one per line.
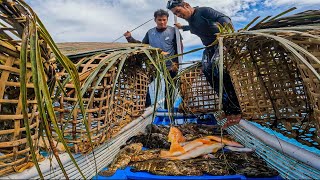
{"x":203,"y":23}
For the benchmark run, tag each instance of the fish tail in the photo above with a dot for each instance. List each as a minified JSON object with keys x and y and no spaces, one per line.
{"x":217,"y":148}
{"x":235,"y":144}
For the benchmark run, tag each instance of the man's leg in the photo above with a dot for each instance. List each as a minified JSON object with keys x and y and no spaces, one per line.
{"x":148,"y":99}
{"x":229,"y":98}
{"x":165,"y":98}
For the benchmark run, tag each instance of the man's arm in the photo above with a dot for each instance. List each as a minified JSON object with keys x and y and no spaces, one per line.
{"x":183,"y":27}
{"x":130,"y":39}
{"x":212,"y":17}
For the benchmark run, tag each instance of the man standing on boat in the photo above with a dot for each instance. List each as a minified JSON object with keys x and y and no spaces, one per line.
{"x":162,"y":36}
{"x":202,"y":22}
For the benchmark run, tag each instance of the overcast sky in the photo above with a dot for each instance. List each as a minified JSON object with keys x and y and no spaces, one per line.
{"x":106,"y":20}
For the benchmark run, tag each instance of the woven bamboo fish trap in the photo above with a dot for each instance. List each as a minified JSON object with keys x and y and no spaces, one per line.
{"x":98,"y":108}
{"x":106,"y":112}
{"x":15,"y":152}
{"x":198,"y":97}
{"x":275,"y":73}
{"x":130,"y":93}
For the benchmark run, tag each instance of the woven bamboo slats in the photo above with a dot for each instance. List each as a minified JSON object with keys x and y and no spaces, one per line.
{"x":198,"y":97}
{"x":141,"y":87}
{"x":107,"y":113}
{"x":275,"y":85}
{"x":266,"y":80}
{"x":15,"y":153}
{"x":14,"y":150}
{"x":98,"y":110}
{"x":130,"y":95}
{"x":311,"y":82}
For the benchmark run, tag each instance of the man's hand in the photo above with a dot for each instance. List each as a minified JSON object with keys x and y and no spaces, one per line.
{"x":127,"y":34}
{"x":175,"y":67}
{"x":178,"y":25}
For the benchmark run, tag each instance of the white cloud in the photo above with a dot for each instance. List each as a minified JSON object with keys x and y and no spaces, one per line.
{"x":97,"y":20}
{"x":106,"y":20}
{"x":273,"y":3}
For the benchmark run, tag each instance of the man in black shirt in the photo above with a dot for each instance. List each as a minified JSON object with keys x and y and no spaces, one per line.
{"x":203,"y":23}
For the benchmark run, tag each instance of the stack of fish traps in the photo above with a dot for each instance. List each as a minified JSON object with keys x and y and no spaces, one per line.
{"x":111,"y":105}
{"x":15,"y":152}
{"x":275,"y":70}
{"x":198,"y":97}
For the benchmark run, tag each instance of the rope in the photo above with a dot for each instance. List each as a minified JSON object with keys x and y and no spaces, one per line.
{"x":133,"y":29}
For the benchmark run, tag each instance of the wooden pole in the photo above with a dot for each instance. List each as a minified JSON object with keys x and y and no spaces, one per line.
{"x":179,"y":50}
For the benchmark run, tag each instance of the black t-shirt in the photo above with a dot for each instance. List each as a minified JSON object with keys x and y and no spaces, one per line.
{"x":203,"y":24}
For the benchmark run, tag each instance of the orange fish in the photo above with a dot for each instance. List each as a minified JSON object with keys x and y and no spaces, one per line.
{"x":225,"y":141}
{"x":187,"y":147}
{"x":198,"y":151}
{"x":175,"y":135}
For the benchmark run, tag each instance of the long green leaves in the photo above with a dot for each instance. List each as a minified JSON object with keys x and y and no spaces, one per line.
{"x":44,"y":92}
{"x":23,"y":90}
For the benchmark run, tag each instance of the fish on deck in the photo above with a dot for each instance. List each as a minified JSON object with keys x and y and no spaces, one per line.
{"x":151,"y":140}
{"x":211,"y":166}
{"x":146,"y":155}
{"x":123,"y":158}
{"x":198,"y":151}
{"x":175,"y":136}
{"x":237,"y":149}
{"x":167,"y":168}
{"x":186,"y":147}
{"x":225,"y":141}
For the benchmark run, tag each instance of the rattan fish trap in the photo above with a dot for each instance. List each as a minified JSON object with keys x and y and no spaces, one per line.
{"x":275,"y":73}
{"x":198,"y":97}
{"x":130,"y":94}
{"x":98,"y":108}
{"x":15,"y":152}
{"x":107,"y":111}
